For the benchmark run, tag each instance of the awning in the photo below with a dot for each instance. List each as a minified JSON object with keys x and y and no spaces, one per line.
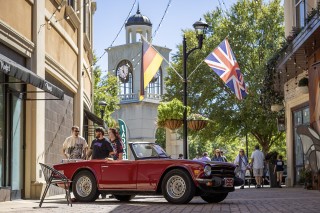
{"x":17,"y":71}
{"x":95,"y":119}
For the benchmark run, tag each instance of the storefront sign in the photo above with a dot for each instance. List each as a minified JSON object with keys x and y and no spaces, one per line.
{"x":4,"y":66}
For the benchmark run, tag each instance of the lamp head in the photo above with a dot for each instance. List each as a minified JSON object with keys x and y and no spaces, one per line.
{"x":200,"y":27}
{"x":102,"y":103}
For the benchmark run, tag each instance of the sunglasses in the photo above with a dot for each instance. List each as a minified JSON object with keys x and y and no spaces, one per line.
{"x":76,"y":131}
{"x":241,"y":151}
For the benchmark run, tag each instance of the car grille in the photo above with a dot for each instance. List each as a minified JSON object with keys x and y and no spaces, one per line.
{"x":222,"y":171}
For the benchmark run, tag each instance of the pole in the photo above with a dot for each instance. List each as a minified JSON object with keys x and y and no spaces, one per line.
{"x":185,"y":103}
{"x":247,"y":145}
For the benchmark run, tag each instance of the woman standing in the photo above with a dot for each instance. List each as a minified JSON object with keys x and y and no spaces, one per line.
{"x":242,"y":164}
{"x":116,"y":143}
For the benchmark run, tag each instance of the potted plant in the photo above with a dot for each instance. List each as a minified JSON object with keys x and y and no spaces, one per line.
{"x":303,"y":85}
{"x":170,"y":114}
{"x":197,"y":122}
{"x":306,"y":178}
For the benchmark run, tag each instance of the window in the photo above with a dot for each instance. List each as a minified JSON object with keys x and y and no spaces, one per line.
{"x":301,"y":116}
{"x":154,"y":86}
{"x":300,"y":13}
{"x":124,"y":72}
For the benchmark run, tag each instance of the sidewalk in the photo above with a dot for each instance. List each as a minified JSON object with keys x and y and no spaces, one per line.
{"x":242,"y":200}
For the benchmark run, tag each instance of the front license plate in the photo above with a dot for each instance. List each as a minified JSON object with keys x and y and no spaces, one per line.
{"x":228,"y":182}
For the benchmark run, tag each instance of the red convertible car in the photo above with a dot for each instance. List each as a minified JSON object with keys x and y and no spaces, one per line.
{"x":150,"y":170}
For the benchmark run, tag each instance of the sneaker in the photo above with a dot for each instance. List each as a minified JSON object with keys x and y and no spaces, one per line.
{"x":103,"y":196}
{"x":242,"y":187}
{"x":258,"y":186}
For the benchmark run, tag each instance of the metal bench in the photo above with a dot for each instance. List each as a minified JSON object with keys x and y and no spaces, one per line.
{"x":53,"y":176}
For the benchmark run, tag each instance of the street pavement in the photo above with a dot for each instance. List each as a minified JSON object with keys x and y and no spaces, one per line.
{"x":242,"y":200}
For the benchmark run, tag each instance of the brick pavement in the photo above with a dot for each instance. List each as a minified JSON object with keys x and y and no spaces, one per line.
{"x":246,"y":200}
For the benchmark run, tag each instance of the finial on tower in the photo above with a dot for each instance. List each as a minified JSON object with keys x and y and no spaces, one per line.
{"x":138,"y":10}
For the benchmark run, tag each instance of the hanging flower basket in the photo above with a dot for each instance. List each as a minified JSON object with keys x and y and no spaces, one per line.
{"x":197,"y":124}
{"x":173,"y":124}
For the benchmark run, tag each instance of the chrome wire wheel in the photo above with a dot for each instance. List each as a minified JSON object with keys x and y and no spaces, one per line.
{"x":84,"y":186}
{"x":176,"y":186}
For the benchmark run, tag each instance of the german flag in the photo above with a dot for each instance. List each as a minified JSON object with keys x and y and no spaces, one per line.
{"x":151,"y":61}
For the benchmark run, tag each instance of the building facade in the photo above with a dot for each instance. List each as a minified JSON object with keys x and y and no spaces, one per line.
{"x":124,"y":61}
{"x":300,"y":59}
{"x":45,"y":89}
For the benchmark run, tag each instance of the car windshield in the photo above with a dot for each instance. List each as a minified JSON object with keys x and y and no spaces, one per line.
{"x":149,"y":150}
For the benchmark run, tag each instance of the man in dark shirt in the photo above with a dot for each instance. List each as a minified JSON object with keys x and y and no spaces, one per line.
{"x":100,"y":147}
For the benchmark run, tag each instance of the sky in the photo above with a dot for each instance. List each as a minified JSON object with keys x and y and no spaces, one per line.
{"x":111,"y":15}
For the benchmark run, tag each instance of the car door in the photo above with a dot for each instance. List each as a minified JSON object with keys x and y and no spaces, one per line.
{"x":118,"y":174}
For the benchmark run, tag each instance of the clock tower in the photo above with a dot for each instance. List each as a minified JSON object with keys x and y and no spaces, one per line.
{"x":124,"y":61}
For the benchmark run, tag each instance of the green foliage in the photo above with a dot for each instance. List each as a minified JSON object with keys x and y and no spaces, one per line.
{"x":171,"y":110}
{"x":255,"y":32}
{"x":161,"y":137}
{"x":105,"y":89}
{"x":194,"y":116}
{"x":303,"y":82}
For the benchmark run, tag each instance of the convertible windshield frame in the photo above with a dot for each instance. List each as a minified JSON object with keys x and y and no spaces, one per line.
{"x":147,"y":150}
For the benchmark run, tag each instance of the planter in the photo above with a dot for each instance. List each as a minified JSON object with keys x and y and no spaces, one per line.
{"x":173,"y":124}
{"x":276,"y":107}
{"x":197,"y":124}
{"x":303,"y":90}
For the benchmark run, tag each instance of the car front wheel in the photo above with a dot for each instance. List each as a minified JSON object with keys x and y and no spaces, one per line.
{"x":124,"y":198}
{"x":178,"y":187}
{"x":84,"y":187}
{"x":214,"y":198}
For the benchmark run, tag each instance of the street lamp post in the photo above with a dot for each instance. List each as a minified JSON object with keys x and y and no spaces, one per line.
{"x":102,"y":105}
{"x":200,"y":27}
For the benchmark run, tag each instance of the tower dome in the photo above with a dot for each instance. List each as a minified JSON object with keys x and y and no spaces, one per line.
{"x":137,"y":25}
{"x":138,"y":19}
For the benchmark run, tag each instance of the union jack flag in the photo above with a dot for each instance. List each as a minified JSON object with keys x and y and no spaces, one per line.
{"x":223,"y":62}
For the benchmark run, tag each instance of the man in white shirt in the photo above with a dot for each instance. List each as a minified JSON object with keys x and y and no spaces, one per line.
{"x":75,"y":146}
{"x":257,"y":159}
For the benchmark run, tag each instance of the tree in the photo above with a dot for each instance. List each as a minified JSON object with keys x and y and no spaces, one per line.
{"x":105,"y":89}
{"x":255,"y":32}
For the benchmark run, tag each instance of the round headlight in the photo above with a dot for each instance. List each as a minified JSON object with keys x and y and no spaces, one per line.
{"x":207,"y":170}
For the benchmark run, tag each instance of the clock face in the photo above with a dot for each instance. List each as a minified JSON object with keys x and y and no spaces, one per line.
{"x":123,"y":73}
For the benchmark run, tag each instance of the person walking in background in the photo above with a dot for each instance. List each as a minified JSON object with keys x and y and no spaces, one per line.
{"x":205,"y":157}
{"x":257,"y":161}
{"x":279,"y":167}
{"x":180,"y":156}
{"x":217,"y":156}
{"x":116,"y":143}
{"x":75,"y":146}
{"x":222,"y":155}
{"x":242,"y":164}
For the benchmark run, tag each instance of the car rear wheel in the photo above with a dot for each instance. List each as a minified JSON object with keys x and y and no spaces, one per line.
{"x":214,"y":198}
{"x":84,"y":187}
{"x":124,"y":197}
{"x":177,"y":187}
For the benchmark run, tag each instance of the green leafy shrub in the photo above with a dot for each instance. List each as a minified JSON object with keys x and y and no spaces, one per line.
{"x":172,"y":110}
{"x":195,"y":116}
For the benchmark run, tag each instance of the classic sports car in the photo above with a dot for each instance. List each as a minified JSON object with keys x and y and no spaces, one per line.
{"x":150,"y":170}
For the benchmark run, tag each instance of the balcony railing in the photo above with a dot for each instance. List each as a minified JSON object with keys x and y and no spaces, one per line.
{"x":134,"y":97}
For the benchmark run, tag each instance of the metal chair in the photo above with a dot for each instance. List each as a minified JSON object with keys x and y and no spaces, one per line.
{"x":53,"y":176}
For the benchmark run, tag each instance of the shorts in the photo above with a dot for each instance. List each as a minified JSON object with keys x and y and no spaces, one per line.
{"x":258,"y":172}
{"x":279,"y":173}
